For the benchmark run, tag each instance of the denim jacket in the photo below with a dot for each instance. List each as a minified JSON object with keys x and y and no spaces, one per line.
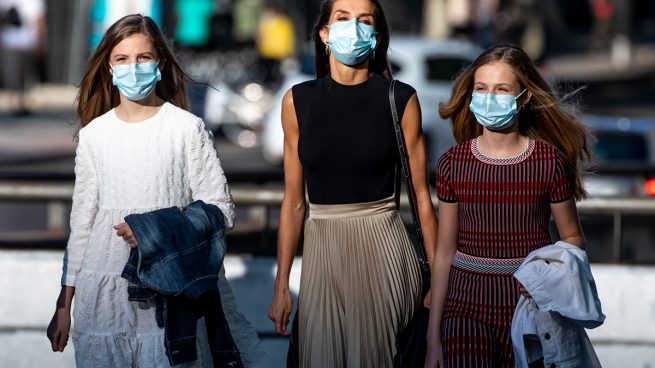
{"x":551,"y":325}
{"x":178,"y":258}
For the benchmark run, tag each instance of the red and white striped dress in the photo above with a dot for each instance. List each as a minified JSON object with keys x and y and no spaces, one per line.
{"x":504,"y":212}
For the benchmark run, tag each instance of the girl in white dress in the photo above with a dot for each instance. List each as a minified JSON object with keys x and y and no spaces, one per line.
{"x":139,"y":150}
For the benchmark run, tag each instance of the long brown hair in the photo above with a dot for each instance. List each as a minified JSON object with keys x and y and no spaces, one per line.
{"x":97,"y":95}
{"x":378,"y":63}
{"x":543,"y":118}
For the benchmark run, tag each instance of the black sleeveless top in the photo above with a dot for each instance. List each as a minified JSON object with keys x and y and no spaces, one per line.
{"x":346,"y":144}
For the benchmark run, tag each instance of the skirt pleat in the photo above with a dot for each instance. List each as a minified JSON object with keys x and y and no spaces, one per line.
{"x":360,"y":285}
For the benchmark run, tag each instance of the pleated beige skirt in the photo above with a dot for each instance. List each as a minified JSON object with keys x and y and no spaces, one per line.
{"x":360,"y":285}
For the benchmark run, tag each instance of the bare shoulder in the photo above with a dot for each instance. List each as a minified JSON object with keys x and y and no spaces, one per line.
{"x":287,"y":99}
{"x":411,"y":118}
{"x":289,"y":118}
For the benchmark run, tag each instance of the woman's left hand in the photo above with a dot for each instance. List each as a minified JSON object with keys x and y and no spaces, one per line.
{"x":123,"y":230}
{"x":524,"y":292}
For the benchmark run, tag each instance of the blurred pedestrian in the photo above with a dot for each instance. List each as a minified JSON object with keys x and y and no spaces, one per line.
{"x":192,"y":30}
{"x":516,"y":163}
{"x":459,"y":18}
{"x":104,"y":13}
{"x":274,"y":40}
{"x":246,"y":18}
{"x":22,"y":42}
{"x":602,"y":11}
{"x":138,"y":151}
{"x":360,"y":283}
{"x":484,"y":28}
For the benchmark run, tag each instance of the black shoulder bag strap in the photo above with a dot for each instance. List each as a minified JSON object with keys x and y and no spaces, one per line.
{"x":411,"y":196}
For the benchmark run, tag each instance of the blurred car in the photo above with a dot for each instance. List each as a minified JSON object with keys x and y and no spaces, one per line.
{"x":228,"y":92}
{"x":428,"y":65}
{"x":623,"y":158}
{"x":237,"y":111}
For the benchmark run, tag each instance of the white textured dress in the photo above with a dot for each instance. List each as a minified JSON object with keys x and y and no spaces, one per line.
{"x":123,"y":168}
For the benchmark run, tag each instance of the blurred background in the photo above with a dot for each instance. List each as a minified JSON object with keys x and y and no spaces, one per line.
{"x":243,"y":55}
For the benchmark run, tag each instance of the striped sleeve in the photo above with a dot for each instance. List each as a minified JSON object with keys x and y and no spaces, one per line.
{"x":562,"y":184}
{"x":443,"y":184}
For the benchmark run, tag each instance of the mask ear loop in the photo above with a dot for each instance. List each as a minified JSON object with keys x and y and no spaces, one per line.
{"x":377,"y":44}
{"x":327,"y":47}
{"x":519,"y":95}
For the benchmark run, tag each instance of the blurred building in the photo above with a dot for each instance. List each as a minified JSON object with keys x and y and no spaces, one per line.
{"x":75,"y":27}
{"x":565,"y":26}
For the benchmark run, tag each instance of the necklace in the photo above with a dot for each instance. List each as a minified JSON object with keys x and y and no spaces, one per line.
{"x":501,"y":161}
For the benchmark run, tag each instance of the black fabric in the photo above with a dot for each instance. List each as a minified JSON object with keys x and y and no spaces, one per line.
{"x":10,"y":17}
{"x":293,"y":353}
{"x":411,"y":342}
{"x":346,"y":141}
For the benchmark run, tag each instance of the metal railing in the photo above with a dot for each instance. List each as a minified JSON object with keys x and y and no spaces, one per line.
{"x":58,"y":195}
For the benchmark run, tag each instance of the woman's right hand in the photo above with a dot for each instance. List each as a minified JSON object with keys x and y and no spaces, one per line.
{"x":280,"y":310}
{"x":434,"y":357}
{"x":59,"y":328}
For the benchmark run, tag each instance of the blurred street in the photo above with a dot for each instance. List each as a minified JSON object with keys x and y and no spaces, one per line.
{"x":41,"y":147}
{"x":29,"y":279}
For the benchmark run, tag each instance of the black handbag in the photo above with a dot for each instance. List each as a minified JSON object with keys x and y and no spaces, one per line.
{"x":293,"y":354}
{"x":411,"y":343}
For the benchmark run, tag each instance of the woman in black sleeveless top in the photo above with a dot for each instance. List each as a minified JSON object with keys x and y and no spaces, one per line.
{"x":360,"y":282}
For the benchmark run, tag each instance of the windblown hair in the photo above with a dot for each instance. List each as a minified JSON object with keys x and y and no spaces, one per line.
{"x":97,"y":95}
{"x":543,"y":118}
{"x":378,"y":62}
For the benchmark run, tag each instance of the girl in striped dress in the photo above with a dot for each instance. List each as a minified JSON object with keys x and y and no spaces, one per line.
{"x":516,"y":163}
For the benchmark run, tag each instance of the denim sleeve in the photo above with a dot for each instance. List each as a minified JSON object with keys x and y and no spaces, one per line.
{"x":83,"y":213}
{"x":206,"y":177}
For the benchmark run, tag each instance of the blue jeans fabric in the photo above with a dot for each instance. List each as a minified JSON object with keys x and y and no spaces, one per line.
{"x":179,"y":255}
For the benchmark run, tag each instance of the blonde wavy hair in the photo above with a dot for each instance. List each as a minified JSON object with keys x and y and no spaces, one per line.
{"x":544,"y":117}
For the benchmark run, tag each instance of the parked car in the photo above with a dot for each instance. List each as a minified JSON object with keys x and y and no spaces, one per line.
{"x":623,"y":157}
{"x":428,"y":65}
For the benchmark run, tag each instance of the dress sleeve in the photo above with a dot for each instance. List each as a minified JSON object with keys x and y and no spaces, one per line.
{"x":83,"y":212}
{"x":561,"y":186}
{"x":443,"y":184}
{"x":206,"y":177}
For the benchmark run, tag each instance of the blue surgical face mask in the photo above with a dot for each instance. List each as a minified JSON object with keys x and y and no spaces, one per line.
{"x":136,"y":81}
{"x":494,"y":112}
{"x":351,"y":42}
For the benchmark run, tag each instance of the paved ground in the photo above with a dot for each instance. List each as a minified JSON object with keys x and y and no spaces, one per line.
{"x":40,"y":137}
{"x":29,"y":287}
{"x":45,"y":142}
{"x":602,"y":65}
